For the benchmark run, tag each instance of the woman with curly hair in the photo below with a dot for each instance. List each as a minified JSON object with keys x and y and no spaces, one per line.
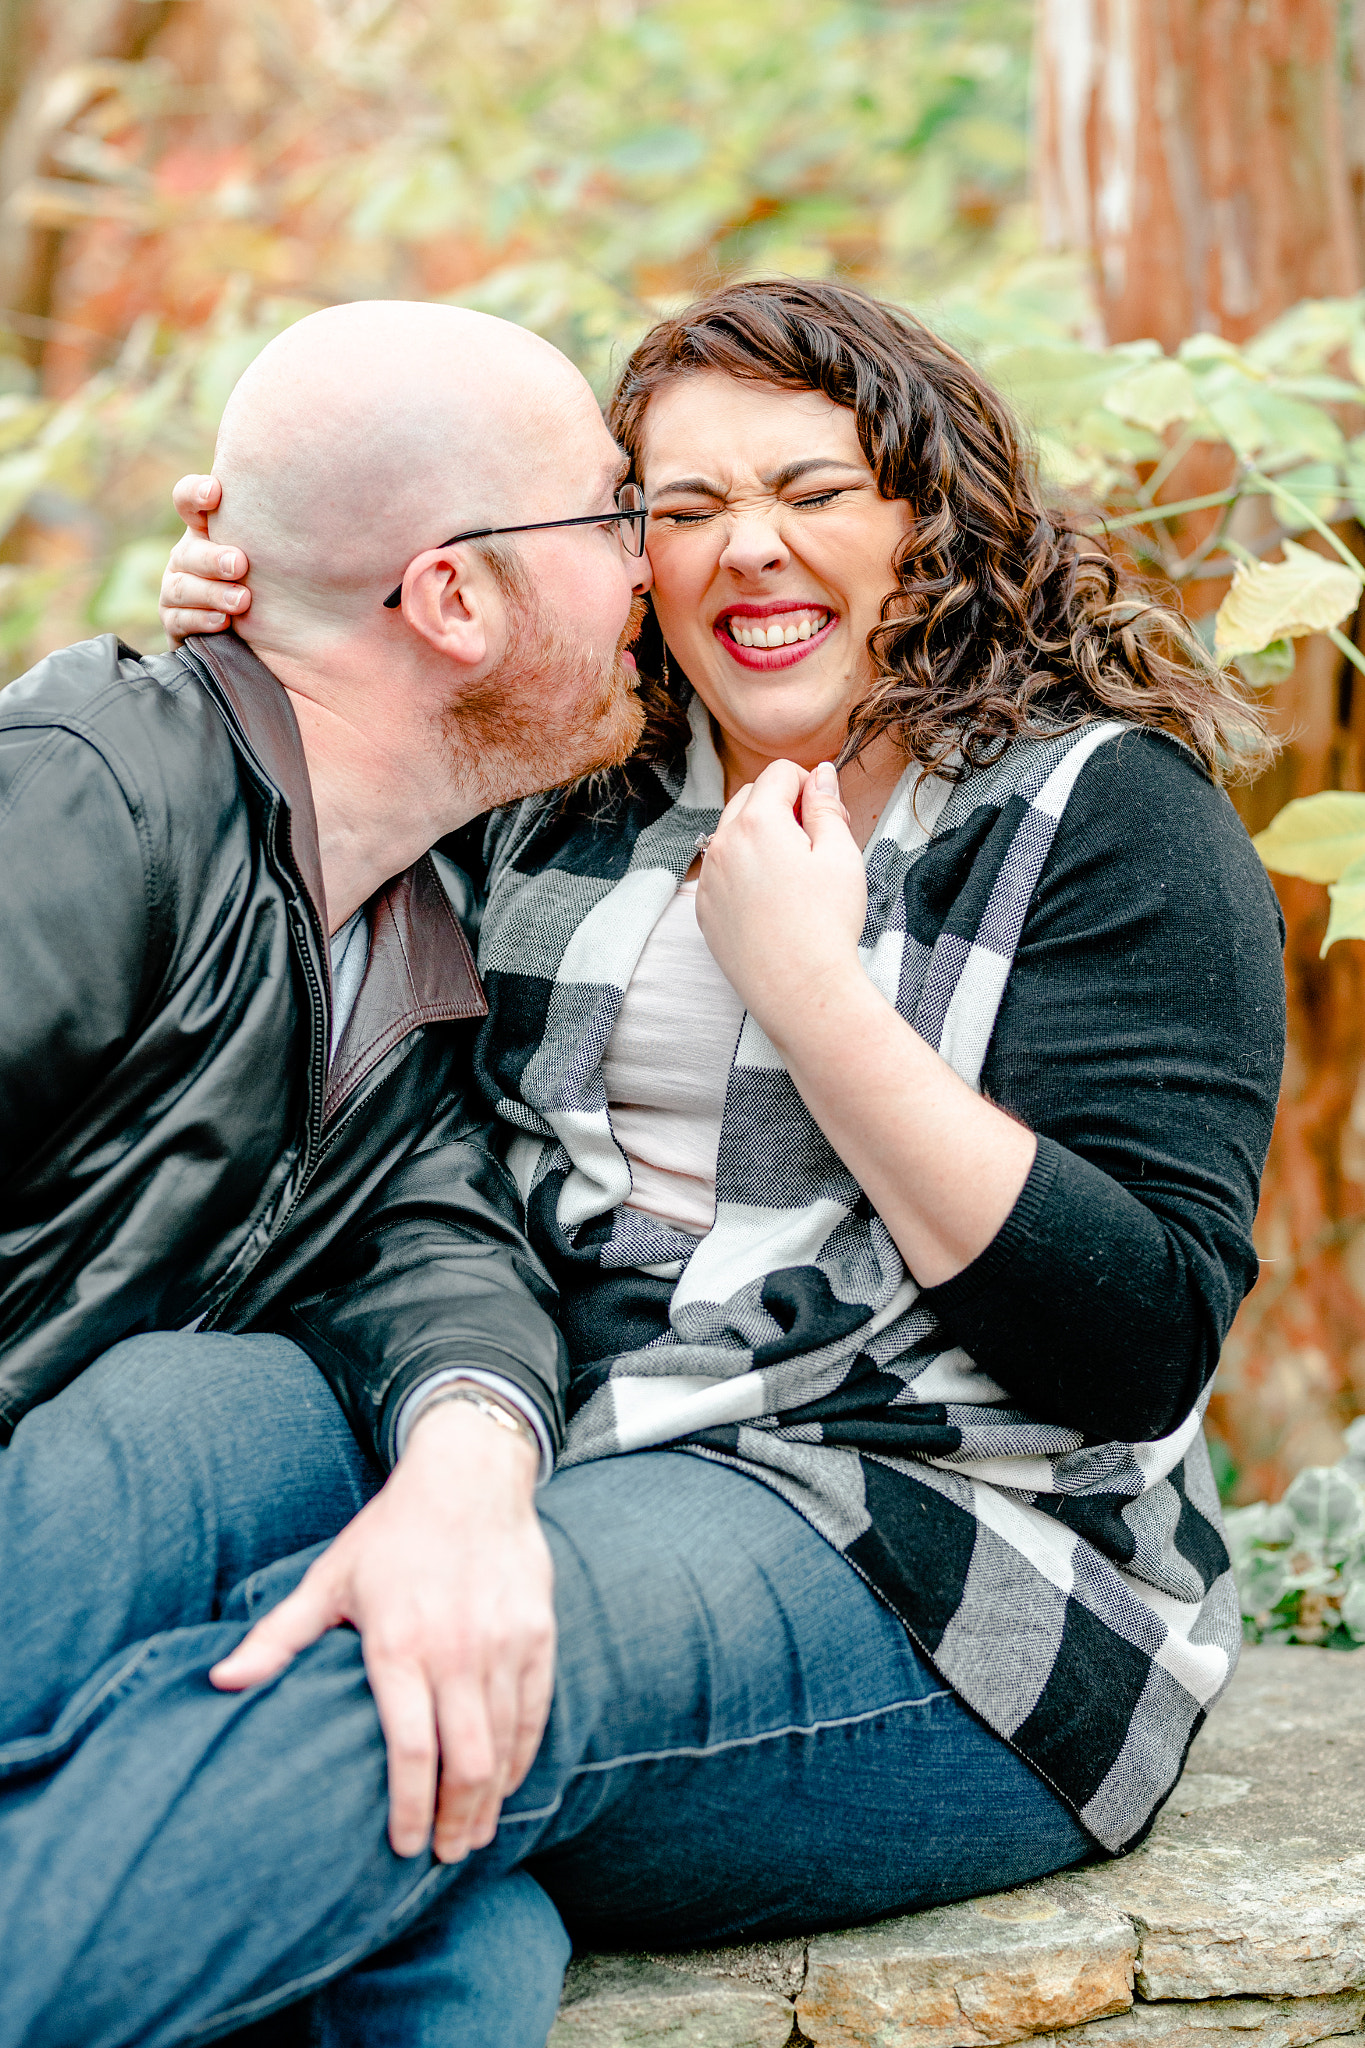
{"x":919,"y":1186}
{"x":886,"y":1058}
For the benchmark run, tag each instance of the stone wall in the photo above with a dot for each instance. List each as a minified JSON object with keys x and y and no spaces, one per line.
{"x":1242,"y":1915}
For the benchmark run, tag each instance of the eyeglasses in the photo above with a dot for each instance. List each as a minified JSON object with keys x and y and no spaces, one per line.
{"x":630,"y":515}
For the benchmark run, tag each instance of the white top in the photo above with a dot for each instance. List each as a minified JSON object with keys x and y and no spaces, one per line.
{"x":667,"y":1066}
{"x":350,"y":956}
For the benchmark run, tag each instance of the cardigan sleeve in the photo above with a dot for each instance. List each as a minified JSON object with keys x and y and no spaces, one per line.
{"x":1141,"y":1036}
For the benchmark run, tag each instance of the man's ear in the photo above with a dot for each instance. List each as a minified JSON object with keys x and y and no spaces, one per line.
{"x":452,"y":601}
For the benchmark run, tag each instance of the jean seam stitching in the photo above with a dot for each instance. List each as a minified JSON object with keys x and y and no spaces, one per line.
{"x":649,"y":1756}
{"x":117,"y":1682}
{"x":285,"y":1994}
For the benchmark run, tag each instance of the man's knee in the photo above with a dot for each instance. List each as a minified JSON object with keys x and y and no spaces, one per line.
{"x":161,"y":1375}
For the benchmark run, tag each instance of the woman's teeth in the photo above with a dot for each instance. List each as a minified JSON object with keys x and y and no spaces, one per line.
{"x":783,"y":632}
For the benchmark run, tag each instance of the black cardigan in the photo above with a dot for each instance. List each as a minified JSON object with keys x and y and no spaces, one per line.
{"x":1141,"y":1036}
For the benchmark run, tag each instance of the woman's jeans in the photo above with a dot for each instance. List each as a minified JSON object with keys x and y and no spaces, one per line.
{"x":742,"y":1742}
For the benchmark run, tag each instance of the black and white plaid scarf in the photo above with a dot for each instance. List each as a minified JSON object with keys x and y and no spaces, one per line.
{"x":1076,"y":1595}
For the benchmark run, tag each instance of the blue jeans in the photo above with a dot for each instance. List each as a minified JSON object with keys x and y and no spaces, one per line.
{"x":743,"y":1740}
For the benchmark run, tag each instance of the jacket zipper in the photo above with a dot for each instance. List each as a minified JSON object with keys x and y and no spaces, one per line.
{"x":301,"y":926}
{"x":309,"y":1152}
{"x":317,"y":1091}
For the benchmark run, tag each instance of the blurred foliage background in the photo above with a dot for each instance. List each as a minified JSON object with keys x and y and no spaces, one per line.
{"x":181,"y":180}
{"x":1146,"y":221}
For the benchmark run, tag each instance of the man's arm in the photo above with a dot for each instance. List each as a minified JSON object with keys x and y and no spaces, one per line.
{"x":75,"y":914}
{"x":435,"y":1275}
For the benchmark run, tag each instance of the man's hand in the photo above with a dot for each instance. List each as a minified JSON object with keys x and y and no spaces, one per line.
{"x":447,"y":1576}
{"x":199,"y":590}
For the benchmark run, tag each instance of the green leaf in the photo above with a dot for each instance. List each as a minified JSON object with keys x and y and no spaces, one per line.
{"x":1261,"y":1582}
{"x":1108,"y":434}
{"x":1317,"y":485}
{"x":1054,"y":387}
{"x":21,"y":420}
{"x":1154,"y":396}
{"x":1225,"y":1472}
{"x":1306,"y":337}
{"x":1353,"y":1608}
{"x":1067,"y":469}
{"x":1305,"y":593}
{"x":1274,"y":664}
{"x":427,"y":197}
{"x":1256,"y":421}
{"x":1296,"y":426}
{"x":1353,"y":476}
{"x":15,"y":374}
{"x":1204,"y":351}
{"x":1347,"y":919}
{"x":1316,"y":837}
{"x":1353,"y":484}
{"x":1255,"y":1527}
{"x":1354,"y":1437}
{"x":1328,"y":1508}
{"x":1324,"y":390}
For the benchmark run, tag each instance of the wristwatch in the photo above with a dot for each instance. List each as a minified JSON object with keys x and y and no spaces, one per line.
{"x":501,"y":1412}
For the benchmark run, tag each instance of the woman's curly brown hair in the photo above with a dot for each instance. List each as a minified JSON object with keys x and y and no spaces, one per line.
{"x":1004,"y":620}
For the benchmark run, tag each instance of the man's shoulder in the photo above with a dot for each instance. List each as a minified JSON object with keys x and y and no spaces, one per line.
{"x":98,"y":685}
{"x":148,"y":717}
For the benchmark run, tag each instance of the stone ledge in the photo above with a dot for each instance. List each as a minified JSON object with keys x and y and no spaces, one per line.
{"x":990,"y":1970}
{"x":625,"y":2000}
{"x":1243,"y":1914}
{"x":1276,"y":2023}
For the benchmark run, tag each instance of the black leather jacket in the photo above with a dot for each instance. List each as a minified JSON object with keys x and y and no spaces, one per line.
{"x":173,"y":1144}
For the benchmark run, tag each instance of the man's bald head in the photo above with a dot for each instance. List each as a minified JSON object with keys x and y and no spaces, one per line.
{"x":369,"y":432}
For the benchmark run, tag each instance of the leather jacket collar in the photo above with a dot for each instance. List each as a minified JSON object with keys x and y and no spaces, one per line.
{"x":420,"y":969}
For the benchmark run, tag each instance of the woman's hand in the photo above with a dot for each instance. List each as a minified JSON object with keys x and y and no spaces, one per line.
{"x":200,"y":588}
{"x":782,"y":904}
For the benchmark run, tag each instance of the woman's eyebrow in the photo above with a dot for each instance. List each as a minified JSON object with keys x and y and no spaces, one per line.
{"x":778,"y":479}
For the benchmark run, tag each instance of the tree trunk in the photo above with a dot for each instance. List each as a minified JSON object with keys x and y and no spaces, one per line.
{"x":1197,"y":148}
{"x":1354,"y":107}
{"x":1210,"y":156}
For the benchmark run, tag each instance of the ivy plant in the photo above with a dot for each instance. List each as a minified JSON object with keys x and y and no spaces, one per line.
{"x":1300,"y":1564}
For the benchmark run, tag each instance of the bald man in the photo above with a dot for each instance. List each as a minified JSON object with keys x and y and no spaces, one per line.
{"x":233,"y":1048}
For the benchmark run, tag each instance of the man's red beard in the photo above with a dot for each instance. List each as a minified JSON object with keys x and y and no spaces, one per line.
{"x":551,"y":712}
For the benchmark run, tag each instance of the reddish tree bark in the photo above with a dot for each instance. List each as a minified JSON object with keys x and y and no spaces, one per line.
{"x":1197,"y":147}
{"x":1201,"y":151}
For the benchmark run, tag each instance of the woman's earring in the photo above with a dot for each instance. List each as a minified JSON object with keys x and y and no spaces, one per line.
{"x":665,"y":668}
